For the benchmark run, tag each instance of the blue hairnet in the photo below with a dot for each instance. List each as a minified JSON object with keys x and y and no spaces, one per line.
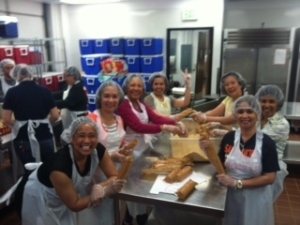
{"x":21,"y":72}
{"x":128,"y":80}
{"x":271,"y":91}
{"x":73,"y":71}
{"x":240,"y":79}
{"x":68,"y":133}
{"x":101,"y":89}
{"x":5,"y":62}
{"x":252,"y":102}
{"x":156,"y":75}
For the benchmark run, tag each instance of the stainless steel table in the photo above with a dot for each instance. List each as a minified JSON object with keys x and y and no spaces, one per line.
{"x":291,"y":110}
{"x":209,"y":197}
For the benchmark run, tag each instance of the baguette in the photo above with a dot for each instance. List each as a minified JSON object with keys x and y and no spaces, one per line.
{"x":186,"y":189}
{"x":125,"y":168}
{"x":211,"y":152}
{"x":170,"y":178}
{"x":160,"y":170}
{"x":183,"y":173}
{"x":130,"y":146}
{"x":186,"y":113}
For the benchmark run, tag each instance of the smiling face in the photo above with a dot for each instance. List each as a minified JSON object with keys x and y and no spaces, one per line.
{"x":246,"y":116}
{"x":232,"y":87}
{"x":159,"y":86}
{"x":269,"y":106}
{"x":110,"y":99}
{"x":135,"y":89}
{"x":84,"y":140}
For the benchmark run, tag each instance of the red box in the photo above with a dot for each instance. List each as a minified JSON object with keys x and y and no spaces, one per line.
{"x":21,"y":53}
{"x":57,"y":80}
{"x":6,"y":51}
{"x":35,"y":56}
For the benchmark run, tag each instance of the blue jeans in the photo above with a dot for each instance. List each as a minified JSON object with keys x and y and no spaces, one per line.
{"x":23,"y":150}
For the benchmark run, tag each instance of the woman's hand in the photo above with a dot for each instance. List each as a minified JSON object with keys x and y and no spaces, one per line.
{"x":184,"y":131}
{"x":218,"y":132}
{"x":213,"y":125}
{"x":117,"y":157}
{"x":126,"y":152}
{"x":226,"y":180}
{"x":171,"y":129}
{"x":204,"y":144}
{"x":187,"y":78}
{"x":176,"y":117}
{"x":97,"y":195}
{"x":114,"y":187}
{"x":199,"y":117}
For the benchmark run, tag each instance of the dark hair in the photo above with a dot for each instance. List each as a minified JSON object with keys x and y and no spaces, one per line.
{"x":158,"y":75}
{"x":240,"y":79}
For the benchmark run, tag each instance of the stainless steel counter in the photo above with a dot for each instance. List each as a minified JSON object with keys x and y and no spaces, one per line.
{"x":208,"y":198}
{"x":291,"y":110}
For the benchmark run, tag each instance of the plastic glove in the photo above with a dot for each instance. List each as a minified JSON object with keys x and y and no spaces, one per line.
{"x":114,"y":186}
{"x":126,"y":152}
{"x":97,"y":194}
{"x":218,"y":132}
{"x":204,"y":144}
{"x":172,"y":129}
{"x":176,"y":117}
{"x":183,"y":128}
{"x":117,"y":157}
{"x":199,"y":117}
{"x":186,"y":77}
{"x":226,"y":180}
{"x":213,"y":125}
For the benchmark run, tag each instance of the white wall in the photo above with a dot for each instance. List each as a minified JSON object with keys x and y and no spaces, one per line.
{"x":28,"y":26}
{"x":138,"y":19}
{"x":252,"y":14}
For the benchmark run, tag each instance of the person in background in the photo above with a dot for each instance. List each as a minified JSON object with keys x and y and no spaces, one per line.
{"x":62,"y":186}
{"x":73,"y":101}
{"x":276,"y":126}
{"x":251,"y":163}
{"x":233,"y":85}
{"x":141,"y":124}
{"x":111,"y":134}
{"x":6,"y":81}
{"x":162,"y":104}
{"x":31,"y":105}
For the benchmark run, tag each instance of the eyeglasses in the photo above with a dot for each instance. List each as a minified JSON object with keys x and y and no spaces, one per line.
{"x":241,"y":111}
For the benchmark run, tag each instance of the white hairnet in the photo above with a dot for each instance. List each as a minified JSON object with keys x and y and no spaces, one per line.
{"x":240,"y":79}
{"x":20,"y":72}
{"x":101,"y":89}
{"x":271,"y":91}
{"x":128,"y":80}
{"x":73,"y":71}
{"x":156,"y":75}
{"x":252,"y":102}
{"x":68,"y":133}
{"x":5,"y":62}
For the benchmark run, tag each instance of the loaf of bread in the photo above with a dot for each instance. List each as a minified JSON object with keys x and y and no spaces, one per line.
{"x":186,"y":113}
{"x":129,"y":146}
{"x":125,"y":168}
{"x":170,"y":178}
{"x":183,"y":173}
{"x":186,"y":189}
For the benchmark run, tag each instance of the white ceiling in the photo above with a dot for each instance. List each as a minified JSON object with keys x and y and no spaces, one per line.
{"x":78,"y":1}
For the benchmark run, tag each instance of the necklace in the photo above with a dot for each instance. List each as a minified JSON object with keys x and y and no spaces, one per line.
{"x":242,"y":147}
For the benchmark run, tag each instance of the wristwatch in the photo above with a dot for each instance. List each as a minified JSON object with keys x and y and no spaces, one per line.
{"x":239,"y":184}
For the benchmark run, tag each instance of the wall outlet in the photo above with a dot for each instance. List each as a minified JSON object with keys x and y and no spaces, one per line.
{"x":189,"y":14}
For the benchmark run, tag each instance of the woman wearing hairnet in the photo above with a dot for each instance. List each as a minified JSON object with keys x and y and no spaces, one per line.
{"x":62,"y":186}
{"x":232,"y":84}
{"x":141,"y":125}
{"x":73,"y":102}
{"x":31,"y":104}
{"x":162,"y":104}
{"x":276,"y":126}
{"x":251,"y":163}
{"x":111,"y":134}
{"x":6,"y":81}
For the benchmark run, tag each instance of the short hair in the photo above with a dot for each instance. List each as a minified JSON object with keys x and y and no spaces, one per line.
{"x":101,"y":89}
{"x":158,"y":75}
{"x":128,"y":80}
{"x":73,"y":71}
{"x":240,"y":79}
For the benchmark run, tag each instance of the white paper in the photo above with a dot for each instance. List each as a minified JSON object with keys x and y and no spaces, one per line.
{"x":280,"y":56}
{"x":160,"y":186}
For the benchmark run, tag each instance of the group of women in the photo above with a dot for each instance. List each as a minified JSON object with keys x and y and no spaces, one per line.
{"x":80,"y":176}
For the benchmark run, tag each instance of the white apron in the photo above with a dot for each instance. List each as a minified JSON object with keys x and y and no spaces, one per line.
{"x":42,"y":205}
{"x":5,"y":85}
{"x":247,"y":206}
{"x":144,"y":140}
{"x":67,"y":116}
{"x":31,"y":125}
{"x":104,"y":213}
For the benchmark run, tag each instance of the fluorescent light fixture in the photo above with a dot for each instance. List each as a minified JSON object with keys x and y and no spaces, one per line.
{"x":77,"y":2}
